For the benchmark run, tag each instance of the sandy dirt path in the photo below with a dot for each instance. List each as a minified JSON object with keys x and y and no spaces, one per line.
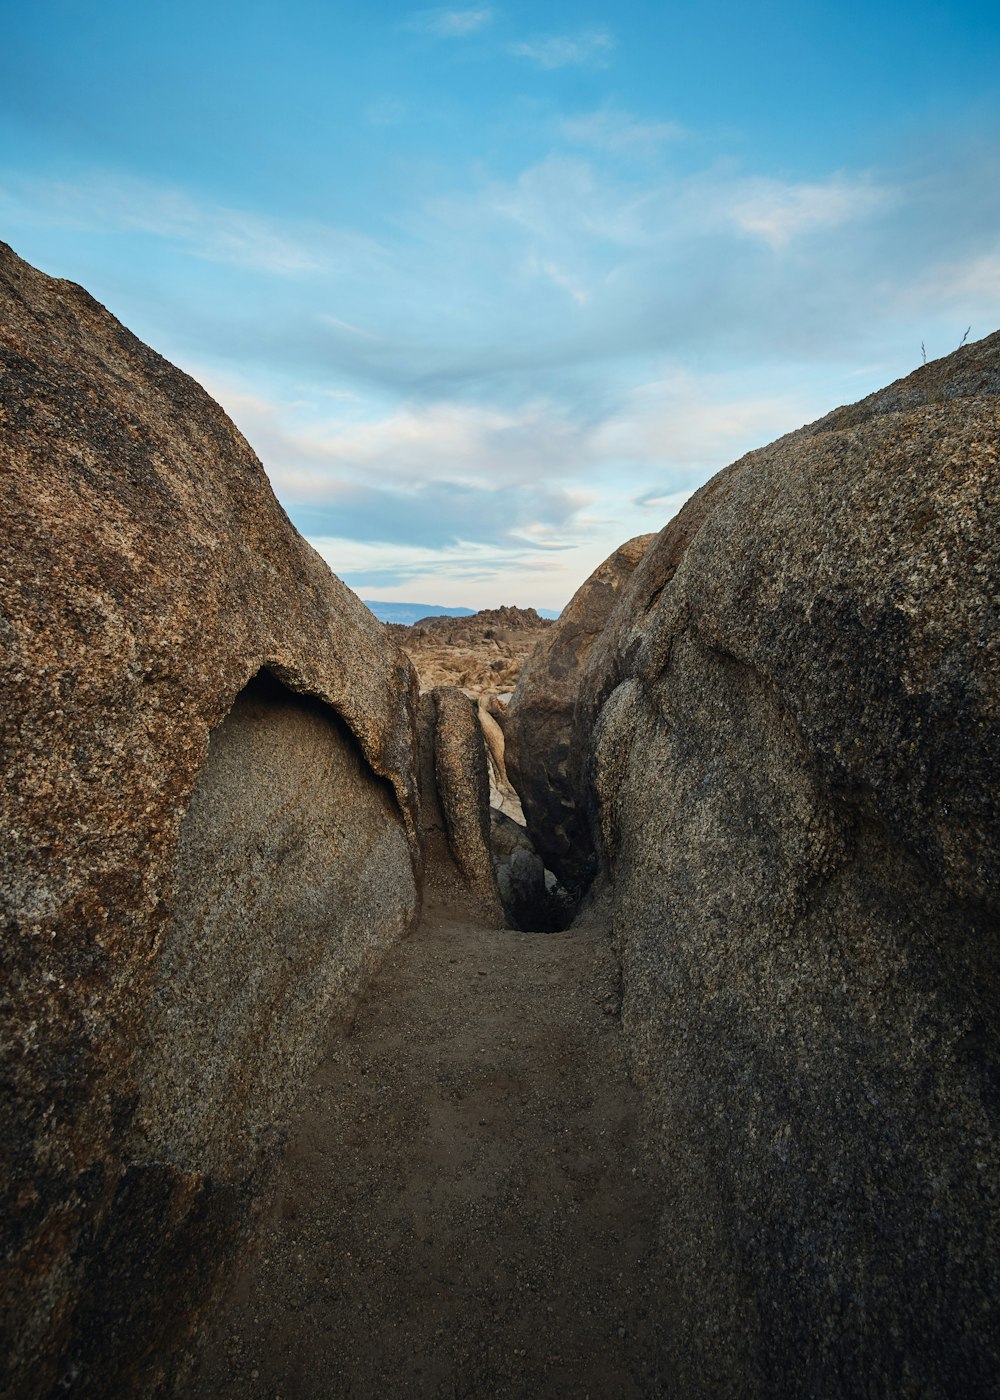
{"x":464,"y":1208}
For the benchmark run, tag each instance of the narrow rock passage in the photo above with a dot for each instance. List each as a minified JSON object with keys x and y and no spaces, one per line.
{"x":464,"y":1208}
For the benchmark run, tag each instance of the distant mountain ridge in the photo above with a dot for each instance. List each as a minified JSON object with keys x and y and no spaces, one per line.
{"x":406,"y":614}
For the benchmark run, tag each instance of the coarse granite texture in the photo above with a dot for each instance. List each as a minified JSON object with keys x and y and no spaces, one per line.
{"x":148,"y":576}
{"x":797,"y":763}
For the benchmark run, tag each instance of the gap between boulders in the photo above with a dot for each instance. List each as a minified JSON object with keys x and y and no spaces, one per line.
{"x":465,"y":1206}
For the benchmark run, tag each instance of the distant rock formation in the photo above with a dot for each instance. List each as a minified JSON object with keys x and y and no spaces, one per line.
{"x":796,"y":741}
{"x":481,"y":654}
{"x":543,"y":759}
{"x":487,"y":622}
{"x":210,"y":835}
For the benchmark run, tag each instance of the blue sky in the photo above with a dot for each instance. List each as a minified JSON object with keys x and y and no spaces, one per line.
{"x":491,"y":288}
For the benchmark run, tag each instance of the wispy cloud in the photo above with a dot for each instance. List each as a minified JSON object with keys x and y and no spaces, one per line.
{"x":329,"y":320}
{"x":969,"y":282}
{"x":619,"y":132}
{"x":544,"y":267}
{"x":779,"y":212}
{"x":683,"y":424}
{"x":410,"y":445}
{"x":204,"y":229}
{"x":591,"y":48}
{"x":451,"y":24}
{"x":464,"y":574}
{"x":531,"y":365}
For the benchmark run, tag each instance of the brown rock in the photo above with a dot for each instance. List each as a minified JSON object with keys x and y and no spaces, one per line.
{"x":502,"y":795}
{"x":542,"y":759}
{"x":210,"y":812}
{"x":797,"y":762}
{"x":464,"y":795}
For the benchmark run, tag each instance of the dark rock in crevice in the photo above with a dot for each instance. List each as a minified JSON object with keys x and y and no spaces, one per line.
{"x":544,"y":758}
{"x":533,"y":899}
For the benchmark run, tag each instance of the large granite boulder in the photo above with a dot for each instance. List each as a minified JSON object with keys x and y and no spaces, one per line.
{"x":543,"y":759}
{"x":210,"y":835}
{"x":797,"y":766}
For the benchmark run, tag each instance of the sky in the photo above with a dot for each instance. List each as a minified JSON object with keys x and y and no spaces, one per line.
{"x":491,"y":289}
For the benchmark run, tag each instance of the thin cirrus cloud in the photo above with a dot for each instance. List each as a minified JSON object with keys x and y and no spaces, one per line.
{"x":435,"y":515}
{"x":566,"y":268}
{"x":454,"y":572}
{"x":450,"y":24}
{"x":118,"y":203}
{"x":447,"y":442}
{"x":778,"y":212}
{"x":619,"y":132}
{"x":562,"y":265}
{"x":591,"y":48}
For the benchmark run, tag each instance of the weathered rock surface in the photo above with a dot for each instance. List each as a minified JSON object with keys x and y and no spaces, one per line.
{"x":503,"y":797}
{"x":797,"y":765}
{"x":544,"y":760}
{"x":209,"y":810}
{"x":463,"y":794}
{"x":481,"y":654}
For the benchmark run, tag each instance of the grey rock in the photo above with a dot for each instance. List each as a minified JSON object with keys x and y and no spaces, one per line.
{"x":797,"y":761}
{"x":520,"y":873}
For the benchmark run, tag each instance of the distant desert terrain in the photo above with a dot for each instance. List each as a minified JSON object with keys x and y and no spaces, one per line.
{"x":482,"y":654}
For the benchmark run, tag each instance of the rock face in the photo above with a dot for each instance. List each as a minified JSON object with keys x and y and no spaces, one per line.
{"x":210,"y":824}
{"x":797,"y":765}
{"x":503,"y":798}
{"x":456,"y":794}
{"x":544,"y":759}
{"x":475,"y":854}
